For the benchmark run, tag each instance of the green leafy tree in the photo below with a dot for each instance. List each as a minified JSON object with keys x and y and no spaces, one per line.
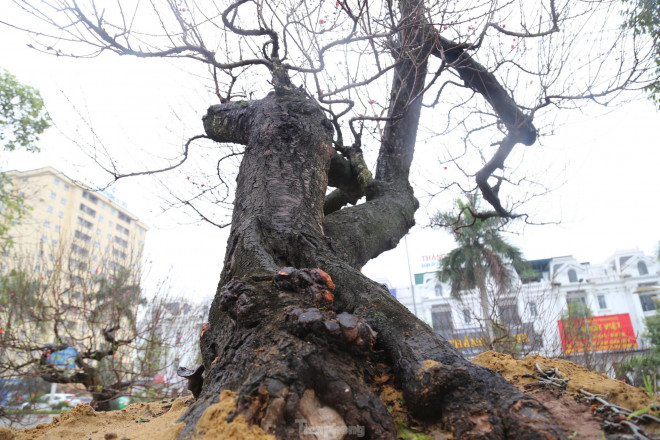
{"x":22,"y":114}
{"x":643,"y":16}
{"x":22,"y":119}
{"x":12,"y":210}
{"x":483,"y":257}
{"x":636,"y":368}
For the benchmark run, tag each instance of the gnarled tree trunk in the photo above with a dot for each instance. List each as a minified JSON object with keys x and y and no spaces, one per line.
{"x":299,"y":346}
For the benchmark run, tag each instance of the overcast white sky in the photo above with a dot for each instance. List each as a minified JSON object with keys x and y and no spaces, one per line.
{"x":609,"y":200}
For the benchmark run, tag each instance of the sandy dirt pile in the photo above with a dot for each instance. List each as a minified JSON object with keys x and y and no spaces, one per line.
{"x":142,"y":421}
{"x":573,"y":414}
{"x":579,"y":378}
{"x":138,"y":421}
{"x":158,"y":420}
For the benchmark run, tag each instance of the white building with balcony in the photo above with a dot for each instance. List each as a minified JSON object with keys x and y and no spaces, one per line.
{"x":617,"y":296}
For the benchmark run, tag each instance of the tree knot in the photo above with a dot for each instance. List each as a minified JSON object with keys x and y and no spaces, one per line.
{"x":315,"y":284}
{"x":345,"y":330}
{"x":239,"y":300}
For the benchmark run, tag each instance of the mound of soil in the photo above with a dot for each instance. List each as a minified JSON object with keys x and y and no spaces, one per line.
{"x":578,"y":417}
{"x":518,"y":373}
{"x":158,"y":420}
{"x":142,"y":421}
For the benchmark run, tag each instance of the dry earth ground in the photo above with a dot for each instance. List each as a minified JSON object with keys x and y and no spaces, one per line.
{"x":577,"y":416}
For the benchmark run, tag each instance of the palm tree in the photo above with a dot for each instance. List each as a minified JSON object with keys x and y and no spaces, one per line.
{"x":482,"y":257}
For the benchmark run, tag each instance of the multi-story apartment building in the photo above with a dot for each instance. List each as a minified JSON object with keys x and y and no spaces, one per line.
{"x":614,"y":298}
{"x":82,"y":252}
{"x":70,"y":286}
{"x":87,"y":228}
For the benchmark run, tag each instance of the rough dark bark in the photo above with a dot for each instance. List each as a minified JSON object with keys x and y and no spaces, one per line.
{"x":289,"y":337}
{"x":282,"y":333}
{"x":294,"y":325}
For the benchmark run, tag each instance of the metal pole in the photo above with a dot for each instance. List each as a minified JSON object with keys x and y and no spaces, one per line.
{"x":412,"y":286}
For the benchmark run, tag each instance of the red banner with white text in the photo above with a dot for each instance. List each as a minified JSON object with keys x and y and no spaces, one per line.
{"x":597,"y":333}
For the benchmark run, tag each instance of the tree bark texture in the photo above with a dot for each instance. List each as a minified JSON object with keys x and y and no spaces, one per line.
{"x":297,"y":330}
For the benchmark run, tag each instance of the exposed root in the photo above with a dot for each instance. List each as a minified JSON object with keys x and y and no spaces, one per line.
{"x":346,"y":331}
{"x":298,"y":366}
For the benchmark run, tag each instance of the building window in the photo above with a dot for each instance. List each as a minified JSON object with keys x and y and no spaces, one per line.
{"x":577,"y":304}
{"x":82,"y":236}
{"x":125,"y":231}
{"x":63,"y":200}
{"x":60,"y":214}
{"x":85,"y":223}
{"x":66,"y":187}
{"x":509,"y":314}
{"x":124,"y":217}
{"x":56,"y":181}
{"x":57,"y":228}
{"x":532,"y":309}
{"x":112,"y":211}
{"x":47,"y":224}
{"x":55,"y":242}
{"x":643,"y":270}
{"x":442,"y":321}
{"x":25,"y":180}
{"x":87,"y":210}
{"x":98,"y":231}
{"x":121,"y":241}
{"x":111,"y":223}
{"x":438,"y":287}
{"x":648,"y":302}
{"x":572,"y":276}
{"x":44,"y":238}
{"x":91,"y":197}
{"x":50,"y":209}
{"x":53,"y":195}
{"x":79,"y":250}
{"x":118,"y":253}
{"x":578,"y":299}
{"x":75,"y":264}
{"x":100,"y":218}
{"x":601,"y":302}
{"x":466,"y":316}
